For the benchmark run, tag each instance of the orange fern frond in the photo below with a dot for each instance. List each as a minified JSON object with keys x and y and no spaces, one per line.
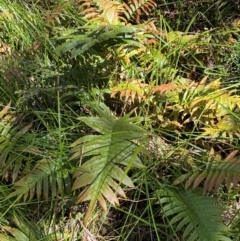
{"x":55,"y":14}
{"x":134,"y":9}
{"x":164,"y":88}
{"x":5,"y":49}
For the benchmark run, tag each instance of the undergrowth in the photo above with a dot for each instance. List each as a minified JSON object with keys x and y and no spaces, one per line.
{"x":119,"y":120}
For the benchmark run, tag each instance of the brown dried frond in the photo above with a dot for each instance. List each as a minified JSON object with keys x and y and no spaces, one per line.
{"x":89,"y":10}
{"x":164,"y":88}
{"x":5,"y":49}
{"x":134,"y":9}
{"x":55,"y":14}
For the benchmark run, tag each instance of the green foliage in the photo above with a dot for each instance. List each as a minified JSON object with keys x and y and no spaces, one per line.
{"x":83,"y":77}
{"x":101,"y":175}
{"x":206,"y":13}
{"x":217,"y":171}
{"x":196,"y":217}
{"x":26,"y":231}
{"x":11,"y":132}
{"x":47,"y":175}
{"x":92,"y":37}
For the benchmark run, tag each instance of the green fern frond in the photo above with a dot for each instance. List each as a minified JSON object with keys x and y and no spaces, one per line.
{"x":101,"y":175}
{"x":193,"y":216}
{"x":216,"y":173}
{"x":90,"y":38}
{"x":26,"y":231}
{"x":11,"y":131}
{"x":46,"y":176}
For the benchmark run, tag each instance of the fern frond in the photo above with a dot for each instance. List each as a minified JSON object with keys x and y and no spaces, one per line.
{"x":226,"y":128}
{"x":216,"y":173}
{"x":104,"y":12}
{"x":199,"y":217}
{"x":205,"y":104}
{"x":130,"y":90}
{"x":11,"y":150}
{"x":25,"y":231}
{"x":56,"y":14}
{"x":126,"y":52}
{"x":46,"y":176}
{"x":101,"y":174}
{"x":95,"y":39}
{"x":115,"y":13}
{"x":135,"y":8}
{"x":164,"y":88}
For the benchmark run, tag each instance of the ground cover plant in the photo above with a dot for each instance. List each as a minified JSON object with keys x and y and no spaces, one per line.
{"x":119,"y":120}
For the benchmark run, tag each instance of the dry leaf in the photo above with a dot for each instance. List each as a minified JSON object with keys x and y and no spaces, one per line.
{"x":164,"y":87}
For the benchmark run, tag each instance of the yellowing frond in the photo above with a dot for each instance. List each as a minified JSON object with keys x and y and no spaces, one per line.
{"x":130,"y":90}
{"x":228,"y":126}
{"x":101,"y":11}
